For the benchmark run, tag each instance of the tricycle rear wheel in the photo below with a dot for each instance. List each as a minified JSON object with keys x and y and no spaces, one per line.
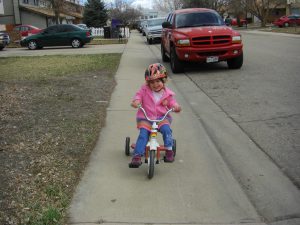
{"x":127,"y":146}
{"x":174,"y":147}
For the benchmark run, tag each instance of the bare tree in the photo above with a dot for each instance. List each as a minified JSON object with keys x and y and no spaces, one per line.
{"x":58,"y":7}
{"x":261,"y":8}
{"x":212,"y":4}
{"x":124,"y":12}
{"x":168,"y":5}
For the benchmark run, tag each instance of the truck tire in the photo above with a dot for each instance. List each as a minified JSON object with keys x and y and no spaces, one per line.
{"x":163,"y":54}
{"x":235,"y":63}
{"x":176,"y":64}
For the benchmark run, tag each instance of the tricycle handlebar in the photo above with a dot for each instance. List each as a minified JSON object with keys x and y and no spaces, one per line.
{"x":157,"y":121}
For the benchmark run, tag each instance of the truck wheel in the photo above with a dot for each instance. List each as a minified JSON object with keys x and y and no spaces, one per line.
{"x":235,"y":63}
{"x":163,"y":54}
{"x":176,"y":65}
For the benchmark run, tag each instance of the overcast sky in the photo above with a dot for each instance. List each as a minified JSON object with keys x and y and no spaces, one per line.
{"x":135,"y":3}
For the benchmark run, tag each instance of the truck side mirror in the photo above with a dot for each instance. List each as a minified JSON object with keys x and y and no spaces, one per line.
{"x":166,"y":24}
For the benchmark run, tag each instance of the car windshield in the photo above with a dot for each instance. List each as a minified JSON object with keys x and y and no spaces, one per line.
{"x":157,"y":22}
{"x":198,"y":19}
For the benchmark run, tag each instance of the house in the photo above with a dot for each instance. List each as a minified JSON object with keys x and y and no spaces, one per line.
{"x":38,"y":13}
{"x":290,"y":7}
{"x":150,"y":14}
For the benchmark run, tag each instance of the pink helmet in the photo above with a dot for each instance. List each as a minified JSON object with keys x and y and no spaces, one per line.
{"x":155,"y":71}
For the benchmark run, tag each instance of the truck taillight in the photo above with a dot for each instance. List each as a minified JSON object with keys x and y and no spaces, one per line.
{"x":88,"y":34}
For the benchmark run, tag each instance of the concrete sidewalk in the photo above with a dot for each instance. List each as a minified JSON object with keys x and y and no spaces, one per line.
{"x":198,"y":188}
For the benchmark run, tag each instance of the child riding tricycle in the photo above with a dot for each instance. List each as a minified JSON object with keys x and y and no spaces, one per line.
{"x":157,"y":101}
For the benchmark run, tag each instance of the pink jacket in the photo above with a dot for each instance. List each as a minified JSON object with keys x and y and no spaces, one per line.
{"x":154,"y":110}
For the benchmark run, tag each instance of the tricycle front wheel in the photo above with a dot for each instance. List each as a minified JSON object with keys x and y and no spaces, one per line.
{"x":151,"y":164}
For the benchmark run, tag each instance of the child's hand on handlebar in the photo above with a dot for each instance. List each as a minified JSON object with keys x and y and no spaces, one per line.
{"x":176,"y":108}
{"x":136,"y":104}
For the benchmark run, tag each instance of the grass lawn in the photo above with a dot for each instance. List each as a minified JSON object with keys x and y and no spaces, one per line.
{"x":52,"y":110}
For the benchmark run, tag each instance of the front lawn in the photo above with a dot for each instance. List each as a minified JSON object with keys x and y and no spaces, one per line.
{"x":52,"y":109}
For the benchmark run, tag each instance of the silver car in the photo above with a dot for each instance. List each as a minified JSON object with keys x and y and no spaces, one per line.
{"x":153,"y":29}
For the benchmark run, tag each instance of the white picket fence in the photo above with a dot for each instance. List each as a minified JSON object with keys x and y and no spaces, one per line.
{"x":99,"y":32}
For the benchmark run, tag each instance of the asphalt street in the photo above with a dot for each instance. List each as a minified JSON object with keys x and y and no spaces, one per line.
{"x":211,"y":182}
{"x":263,"y":97}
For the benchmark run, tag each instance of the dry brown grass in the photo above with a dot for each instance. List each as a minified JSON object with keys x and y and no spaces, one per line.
{"x":50,"y":119}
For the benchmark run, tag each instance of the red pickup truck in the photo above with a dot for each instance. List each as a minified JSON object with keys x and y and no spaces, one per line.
{"x":199,"y":35}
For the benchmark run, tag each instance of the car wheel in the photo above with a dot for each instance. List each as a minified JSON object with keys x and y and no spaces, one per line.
{"x":76,"y":43}
{"x":235,"y":63}
{"x":1,"y":48}
{"x":32,"y":45}
{"x":149,"y":41}
{"x":286,"y":24}
{"x":163,"y":53}
{"x":176,"y":64}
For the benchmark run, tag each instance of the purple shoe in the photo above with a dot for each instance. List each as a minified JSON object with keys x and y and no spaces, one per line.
{"x":136,"y":161}
{"x":169,"y":156}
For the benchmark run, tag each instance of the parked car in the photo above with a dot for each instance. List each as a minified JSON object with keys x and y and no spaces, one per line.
{"x":143,"y":27}
{"x":83,"y":26}
{"x":286,"y":21}
{"x":235,"y":23}
{"x":140,"y":25}
{"x":26,"y":30}
{"x":58,"y":35}
{"x":4,"y":39}
{"x":199,"y":35}
{"x":154,"y":29}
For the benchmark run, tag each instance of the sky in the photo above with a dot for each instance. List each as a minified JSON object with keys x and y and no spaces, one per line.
{"x":136,"y":3}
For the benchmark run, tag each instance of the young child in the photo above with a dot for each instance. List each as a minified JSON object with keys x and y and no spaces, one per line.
{"x":156,"y":99}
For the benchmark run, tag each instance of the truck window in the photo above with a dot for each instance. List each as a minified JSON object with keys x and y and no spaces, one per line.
{"x":198,"y":19}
